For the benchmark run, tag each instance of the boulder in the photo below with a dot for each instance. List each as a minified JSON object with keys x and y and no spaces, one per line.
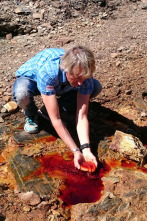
{"x":129,"y":147}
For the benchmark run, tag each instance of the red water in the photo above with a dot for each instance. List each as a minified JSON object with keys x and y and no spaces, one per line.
{"x":46,"y":139}
{"x":126,"y":164}
{"x":88,"y":166}
{"x":78,"y":186}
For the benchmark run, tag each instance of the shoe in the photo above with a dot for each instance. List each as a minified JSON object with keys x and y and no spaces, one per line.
{"x":31,"y":125}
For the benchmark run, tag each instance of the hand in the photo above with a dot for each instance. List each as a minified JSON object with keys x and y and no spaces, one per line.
{"x":78,"y":159}
{"x":88,"y":156}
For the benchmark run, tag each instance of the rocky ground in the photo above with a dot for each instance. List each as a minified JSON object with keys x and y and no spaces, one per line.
{"x":116,"y":32}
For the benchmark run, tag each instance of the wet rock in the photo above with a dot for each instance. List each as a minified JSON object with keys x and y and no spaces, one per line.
{"x":24,"y":137}
{"x":22,"y":166}
{"x":129,"y":146}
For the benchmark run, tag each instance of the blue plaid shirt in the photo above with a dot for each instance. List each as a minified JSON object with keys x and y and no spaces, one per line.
{"x":44,"y":69}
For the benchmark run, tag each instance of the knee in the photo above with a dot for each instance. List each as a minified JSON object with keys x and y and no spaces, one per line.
{"x":20,"y":92}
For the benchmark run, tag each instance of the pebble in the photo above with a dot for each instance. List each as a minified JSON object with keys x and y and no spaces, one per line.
{"x":1,"y":120}
{"x":3,"y":110}
{"x":114,"y":55}
{"x":30,"y":198}
{"x":9,"y":36}
{"x":26,"y":209}
{"x":111,"y":179}
{"x":10,"y":106}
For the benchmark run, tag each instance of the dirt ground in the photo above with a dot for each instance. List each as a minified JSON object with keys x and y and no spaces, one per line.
{"x":119,"y":43}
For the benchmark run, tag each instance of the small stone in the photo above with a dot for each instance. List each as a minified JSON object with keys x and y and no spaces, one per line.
{"x":143,"y":114}
{"x":37,"y":15}
{"x":44,"y":206}
{"x":144,"y":6}
{"x":1,"y":120}
{"x":140,"y":104}
{"x":26,"y":209}
{"x":128,"y":92}
{"x":18,"y":10}
{"x":3,"y":110}
{"x":30,"y":197}
{"x":111,"y":179}
{"x":114,"y":55}
{"x":9,"y":36}
{"x":123,"y":206}
{"x":6,"y":98}
{"x":118,"y":63}
{"x":10,"y":106}
{"x":63,"y":41}
{"x":120,"y":48}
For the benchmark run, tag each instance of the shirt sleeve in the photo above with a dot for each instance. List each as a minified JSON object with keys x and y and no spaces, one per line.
{"x":87,"y":87}
{"x":46,"y":80}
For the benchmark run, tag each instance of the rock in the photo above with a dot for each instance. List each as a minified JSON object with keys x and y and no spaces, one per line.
{"x":120,"y":49}
{"x":10,"y":106}
{"x":143,"y":114}
{"x":1,"y":120}
{"x":111,"y":179}
{"x":114,"y":55}
{"x":129,"y":146}
{"x":30,"y":198}
{"x":44,"y":206}
{"x":6,"y":98}
{"x":22,"y":10}
{"x":144,"y":4}
{"x":140,"y":104}
{"x":26,"y":209}
{"x":63,"y":41}
{"x":9,"y":36}
{"x":37,"y":15}
{"x":3,"y":110}
{"x":118,"y":63}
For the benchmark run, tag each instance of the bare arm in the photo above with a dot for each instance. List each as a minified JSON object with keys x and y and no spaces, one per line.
{"x":83,"y":125}
{"x":52,"y":107}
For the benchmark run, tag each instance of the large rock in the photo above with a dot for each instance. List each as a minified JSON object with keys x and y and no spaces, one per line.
{"x":129,"y":146}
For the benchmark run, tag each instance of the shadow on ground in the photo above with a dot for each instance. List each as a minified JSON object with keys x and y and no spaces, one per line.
{"x":103,"y":122}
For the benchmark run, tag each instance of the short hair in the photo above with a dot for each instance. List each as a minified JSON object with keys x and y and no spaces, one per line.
{"x":78,"y":56}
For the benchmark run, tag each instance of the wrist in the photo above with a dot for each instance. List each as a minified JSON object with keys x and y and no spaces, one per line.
{"x":76,"y":150}
{"x":86,"y":150}
{"x":84,"y":146}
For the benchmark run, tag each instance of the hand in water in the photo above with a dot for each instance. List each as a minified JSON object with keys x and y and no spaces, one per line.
{"x":88,"y":166}
{"x":90,"y":163}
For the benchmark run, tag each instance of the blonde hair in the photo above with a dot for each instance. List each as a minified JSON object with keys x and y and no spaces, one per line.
{"x":78,"y":58}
